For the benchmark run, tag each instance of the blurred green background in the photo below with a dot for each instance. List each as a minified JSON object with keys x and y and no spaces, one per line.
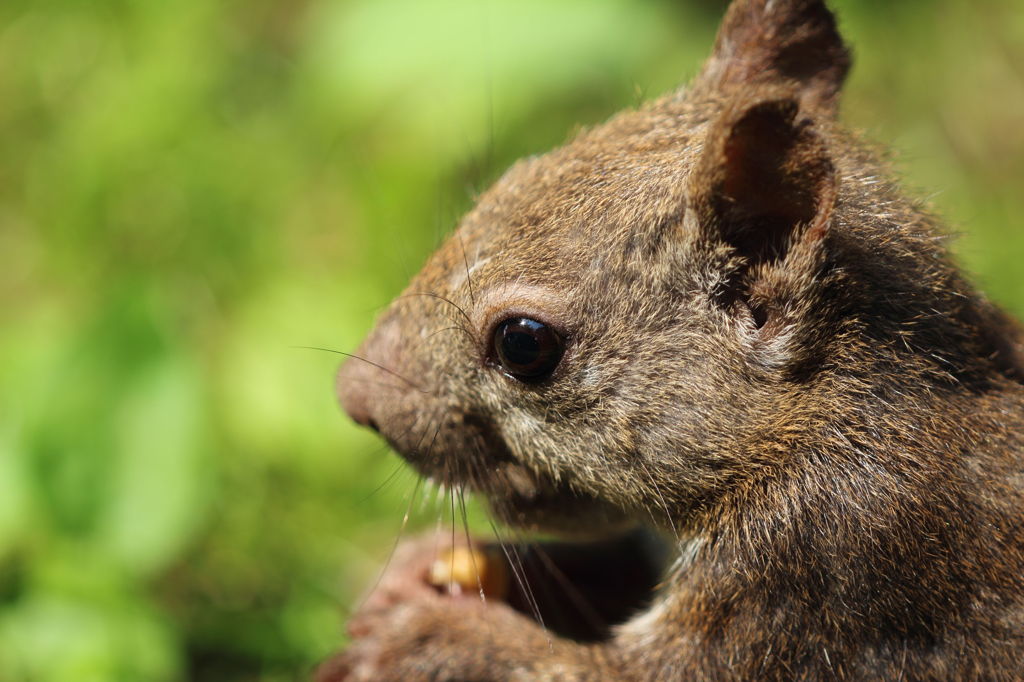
{"x":191,"y":190}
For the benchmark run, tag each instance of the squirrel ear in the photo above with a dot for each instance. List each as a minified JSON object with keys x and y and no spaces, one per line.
{"x":781,"y":42}
{"x":765,"y":182}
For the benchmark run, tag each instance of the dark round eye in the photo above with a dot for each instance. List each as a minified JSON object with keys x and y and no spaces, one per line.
{"x":527,"y":349}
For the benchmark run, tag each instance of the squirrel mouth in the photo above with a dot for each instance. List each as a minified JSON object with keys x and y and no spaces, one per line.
{"x":523,"y":499}
{"x":518,"y":495}
{"x":603,"y":569}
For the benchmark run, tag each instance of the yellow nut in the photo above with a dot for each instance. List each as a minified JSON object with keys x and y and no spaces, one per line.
{"x":462,"y":570}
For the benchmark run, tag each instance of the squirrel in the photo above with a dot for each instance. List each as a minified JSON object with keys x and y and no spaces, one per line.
{"x":712,"y":344}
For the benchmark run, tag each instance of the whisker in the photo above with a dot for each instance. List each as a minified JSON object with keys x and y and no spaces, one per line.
{"x":515,"y":563}
{"x":451,"y":498}
{"x":441,"y":494}
{"x":465,"y":261}
{"x":469,"y":543}
{"x":398,"y":539}
{"x":399,"y":468}
{"x":439,"y":297}
{"x":381,"y":384}
{"x":586,"y":610}
{"x":369,"y":362}
{"x":430,"y":446}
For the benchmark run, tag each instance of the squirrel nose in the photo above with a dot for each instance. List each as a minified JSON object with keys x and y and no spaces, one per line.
{"x":361,"y":382}
{"x":354,"y":391}
{"x":358,"y":412}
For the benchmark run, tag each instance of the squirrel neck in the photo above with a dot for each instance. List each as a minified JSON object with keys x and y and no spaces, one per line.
{"x":872,"y":529}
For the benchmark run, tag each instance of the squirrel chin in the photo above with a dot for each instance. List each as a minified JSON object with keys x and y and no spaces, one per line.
{"x":522,"y":499}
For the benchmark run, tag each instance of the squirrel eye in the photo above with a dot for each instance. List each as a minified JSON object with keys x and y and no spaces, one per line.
{"x":526,"y":349}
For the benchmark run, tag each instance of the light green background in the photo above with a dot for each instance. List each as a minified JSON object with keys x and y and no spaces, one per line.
{"x":190,"y":190}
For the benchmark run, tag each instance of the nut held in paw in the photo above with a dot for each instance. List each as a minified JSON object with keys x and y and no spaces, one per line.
{"x":465,"y":570}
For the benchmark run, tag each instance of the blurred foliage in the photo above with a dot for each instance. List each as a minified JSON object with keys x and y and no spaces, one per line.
{"x":189,"y":191}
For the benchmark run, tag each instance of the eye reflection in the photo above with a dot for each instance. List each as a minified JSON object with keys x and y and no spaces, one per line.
{"x":527,"y":349}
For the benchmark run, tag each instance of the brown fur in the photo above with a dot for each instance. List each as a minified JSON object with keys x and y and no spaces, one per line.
{"x":770,"y":357}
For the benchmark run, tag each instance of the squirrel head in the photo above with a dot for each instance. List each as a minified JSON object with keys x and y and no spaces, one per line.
{"x":617,"y":323}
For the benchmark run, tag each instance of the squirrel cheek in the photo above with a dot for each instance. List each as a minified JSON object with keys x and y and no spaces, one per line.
{"x":589,"y":376}
{"x":520,"y":481}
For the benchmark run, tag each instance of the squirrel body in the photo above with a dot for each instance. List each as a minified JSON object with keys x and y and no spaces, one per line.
{"x":718,"y":318}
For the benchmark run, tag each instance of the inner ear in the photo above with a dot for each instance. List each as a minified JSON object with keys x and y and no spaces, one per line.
{"x":768,"y":181}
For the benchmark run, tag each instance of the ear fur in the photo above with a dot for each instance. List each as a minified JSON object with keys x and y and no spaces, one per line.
{"x":793,"y":43}
{"x":765,"y":188}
